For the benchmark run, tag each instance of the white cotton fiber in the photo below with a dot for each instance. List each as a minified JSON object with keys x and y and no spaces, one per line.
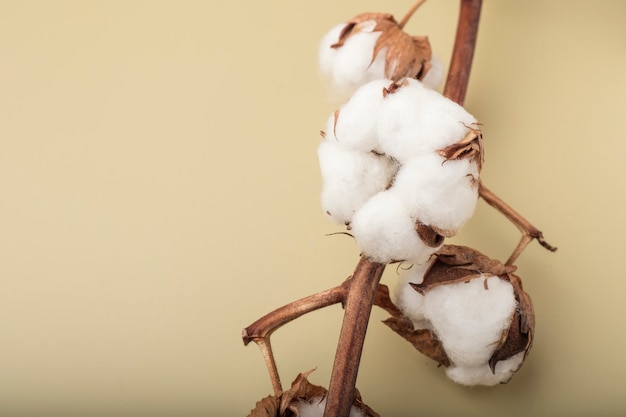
{"x":438,"y":193}
{"x":385,"y":232}
{"x":356,"y":123}
{"x":315,"y":408}
{"x":482,"y":375}
{"x":416,"y":120}
{"x":470,"y":318}
{"x":350,"y":178}
{"x":409,"y":301}
{"x":351,"y":65}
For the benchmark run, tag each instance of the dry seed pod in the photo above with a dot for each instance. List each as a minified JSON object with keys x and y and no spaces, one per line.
{"x":304,"y":399}
{"x":373,"y":46}
{"x":478,"y":318}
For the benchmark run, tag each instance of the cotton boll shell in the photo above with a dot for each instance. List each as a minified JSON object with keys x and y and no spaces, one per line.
{"x":350,"y":178}
{"x":355,"y":124}
{"x":352,"y":65}
{"x":416,"y":120}
{"x":385,"y":231}
{"x":439,"y":193}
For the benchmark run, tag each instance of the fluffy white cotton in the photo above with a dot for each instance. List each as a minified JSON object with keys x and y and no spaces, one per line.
{"x":482,"y":375}
{"x":416,"y":120}
{"x":409,"y":301}
{"x":350,"y":66}
{"x":439,"y":193}
{"x":315,"y":408}
{"x":356,"y":123}
{"x":434,"y":76}
{"x":350,"y":178}
{"x":384,"y":231}
{"x":470,"y":318}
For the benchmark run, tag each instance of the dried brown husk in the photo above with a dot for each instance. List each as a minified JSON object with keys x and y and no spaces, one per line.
{"x":470,"y":147}
{"x":406,"y":56}
{"x":455,"y":264}
{"x":285,"y":405}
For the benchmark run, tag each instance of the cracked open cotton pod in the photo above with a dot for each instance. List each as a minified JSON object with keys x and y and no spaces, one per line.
{"x":400,"y":165}
{"x":467,"y":312}
{"x":373,"y":46}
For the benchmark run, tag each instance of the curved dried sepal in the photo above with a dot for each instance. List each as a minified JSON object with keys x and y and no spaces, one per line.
{"x":520,"y":335}
{"x":470,"y":147}
{"x":428,"y":235}
{"x":423,"y":340}
{"x":285,"y":404}
{"x":454,"y":263}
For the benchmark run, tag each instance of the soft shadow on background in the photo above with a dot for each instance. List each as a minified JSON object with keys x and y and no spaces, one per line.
{"x":160,"y":191}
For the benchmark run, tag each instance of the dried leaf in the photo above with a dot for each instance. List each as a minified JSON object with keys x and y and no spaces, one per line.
{"x":383,"y":300}
{"x":423,"y":340}
{"x":470,"y":147}
{"x":267,"y":407}
{"x":301,"y":389}
{"x":285,"y":405}
{"x":406,"y":56}
{"x":455,"y":263}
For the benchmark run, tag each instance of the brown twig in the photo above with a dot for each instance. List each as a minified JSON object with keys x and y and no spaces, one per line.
{"x":529,"y":232}
{"x":261,"y":330}
{"x":463,"y":52}
{"x":410,"y":12}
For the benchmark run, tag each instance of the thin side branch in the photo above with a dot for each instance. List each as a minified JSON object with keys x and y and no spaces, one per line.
{"x":261,"y":330}
{"x":410,"y":12}
{"x":529,"y":232}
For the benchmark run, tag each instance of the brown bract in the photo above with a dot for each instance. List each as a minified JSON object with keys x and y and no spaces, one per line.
{"x":285,"y":405}
{"x":470,"y":147}
{"x":406,"y":55}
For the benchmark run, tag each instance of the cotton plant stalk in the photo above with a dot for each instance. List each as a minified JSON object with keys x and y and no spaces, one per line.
{"x":394,"y":157}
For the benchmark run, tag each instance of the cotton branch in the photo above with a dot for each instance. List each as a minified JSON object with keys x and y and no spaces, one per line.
{"x":367,"y":274}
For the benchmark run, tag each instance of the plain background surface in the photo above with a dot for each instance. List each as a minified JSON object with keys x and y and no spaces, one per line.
{"x":159,"y":191}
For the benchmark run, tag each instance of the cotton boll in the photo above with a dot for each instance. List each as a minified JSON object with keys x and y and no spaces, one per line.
{"x":384,"y":231}
{"x":353,"y":64}
{"x":350,"y":178}
{"x":434,"y":76}
{"x":470,"y":318}
{"x":416,"y":120}
{"x":482,"y":375}
{"x":439,"y":193}
{"x":355,"y":124}
{"x":315,"y":408}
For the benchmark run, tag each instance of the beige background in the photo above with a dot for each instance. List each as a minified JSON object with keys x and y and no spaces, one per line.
{"x":160,"y":191}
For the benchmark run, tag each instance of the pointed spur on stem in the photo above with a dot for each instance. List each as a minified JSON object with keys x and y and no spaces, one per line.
{"x":261,"y":330}
{"x":529,"y":232}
